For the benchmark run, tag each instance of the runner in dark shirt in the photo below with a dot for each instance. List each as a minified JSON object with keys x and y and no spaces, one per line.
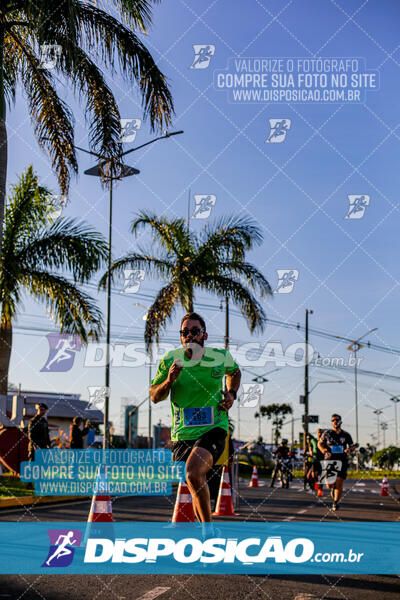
{"x":336,"y":444}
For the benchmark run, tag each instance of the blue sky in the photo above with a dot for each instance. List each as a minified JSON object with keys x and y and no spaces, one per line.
{"x":296,"y":190}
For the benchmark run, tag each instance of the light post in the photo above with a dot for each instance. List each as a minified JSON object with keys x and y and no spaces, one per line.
{"x":384,"y":427}
{"x":395,"y":400}
{"x":260,"y":379}
{"x":378,"y":412}
{"x":110,"y":169}
{"x":150,"y":407}
{"x":354,"y":347}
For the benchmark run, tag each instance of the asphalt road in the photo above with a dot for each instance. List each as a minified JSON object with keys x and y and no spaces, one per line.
{"x":361,"y":502}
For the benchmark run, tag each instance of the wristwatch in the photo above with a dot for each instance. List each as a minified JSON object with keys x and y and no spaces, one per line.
{"x":233,"y":392}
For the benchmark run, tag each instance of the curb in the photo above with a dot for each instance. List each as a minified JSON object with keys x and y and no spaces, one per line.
{"x":29,"y":500}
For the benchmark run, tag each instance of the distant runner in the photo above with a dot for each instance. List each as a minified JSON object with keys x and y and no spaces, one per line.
{"x":193,"y":376}
{"x":336,"y":444}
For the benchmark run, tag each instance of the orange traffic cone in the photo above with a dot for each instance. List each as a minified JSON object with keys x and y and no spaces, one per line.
{"x":100,"y":511}
{"x":319,"y":489}
{"x":384,"y":487}
{"x":254,"y":478}
{"x":183,"y":511}
{"x":224,"y":506}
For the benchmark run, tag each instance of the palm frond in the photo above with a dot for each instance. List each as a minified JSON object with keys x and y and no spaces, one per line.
{"x":102,"y":32}
{"x":75,"y":311}
{"x":151,"y":265}
{"x":52,"y":120}
{"x":234,"y":234}
{"x":90,"y":85}
{"x":171,"y":234}
{"x":27,"y":210}
{"x":160,"y":313}
{"x":249,"y":306}
{"x":254,"y":279}
{"x":66,"y":245}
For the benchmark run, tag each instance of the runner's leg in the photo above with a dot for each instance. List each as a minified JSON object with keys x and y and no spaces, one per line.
{"x":198,"y":464}
{"x":338,"y":489}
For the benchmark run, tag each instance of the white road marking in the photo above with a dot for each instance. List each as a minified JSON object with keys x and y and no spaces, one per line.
{"x":300,"y":512}
{"x":151,"y":594}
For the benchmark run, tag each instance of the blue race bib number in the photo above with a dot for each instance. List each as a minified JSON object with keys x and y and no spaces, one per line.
{"x":198,"y":417}
{"x":337,"y":449}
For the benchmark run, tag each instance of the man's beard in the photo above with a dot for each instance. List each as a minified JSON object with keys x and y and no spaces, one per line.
{"x":194,"y":349}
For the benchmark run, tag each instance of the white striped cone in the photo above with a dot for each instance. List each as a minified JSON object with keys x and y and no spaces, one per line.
{"x":183,"y":510}
{"x":224,"y":506}
{"x":254,"y":478}
{"x":100,"y":510}
{"x":384,"y":487}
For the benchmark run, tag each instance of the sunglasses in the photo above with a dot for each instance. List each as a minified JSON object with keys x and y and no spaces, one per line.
{"x":195,"y":331}
{"x":335,"y":420}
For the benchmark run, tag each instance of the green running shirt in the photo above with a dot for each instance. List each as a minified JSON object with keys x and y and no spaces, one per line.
{"x":196,"y":392}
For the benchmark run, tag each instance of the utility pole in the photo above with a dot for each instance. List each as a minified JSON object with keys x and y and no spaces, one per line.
{"x":226,"y":322}
{"x":306,"y":382}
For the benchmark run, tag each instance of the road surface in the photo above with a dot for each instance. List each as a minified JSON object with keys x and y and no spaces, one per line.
{"x":361,"y":502}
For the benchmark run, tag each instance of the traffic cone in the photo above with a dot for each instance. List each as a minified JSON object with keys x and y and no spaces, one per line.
{"x":183,"y":511}
{"x":254,"y":478}
{"x":100,"y":510}
{"x":318,"y":487}
{"x":384,"y":487}
{"x":224,"y":506}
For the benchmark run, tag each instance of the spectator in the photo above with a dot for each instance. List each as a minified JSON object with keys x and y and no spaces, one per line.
{"x":38,"y":431}
{"x":77,"y":433}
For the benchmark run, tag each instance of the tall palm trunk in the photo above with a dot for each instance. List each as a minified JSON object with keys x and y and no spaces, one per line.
{"x":5,"y":355}
{"x":3,"y":136}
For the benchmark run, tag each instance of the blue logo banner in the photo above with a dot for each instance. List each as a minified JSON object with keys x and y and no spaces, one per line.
{"x":243,"y":547}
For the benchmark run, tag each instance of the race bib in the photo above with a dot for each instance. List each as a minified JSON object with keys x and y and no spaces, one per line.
{"x":198,"y":417}
{"x":337,"y":449}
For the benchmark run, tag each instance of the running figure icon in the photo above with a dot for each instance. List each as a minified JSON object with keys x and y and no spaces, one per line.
{"x":62,"y":550}
{"x":64,"y":348}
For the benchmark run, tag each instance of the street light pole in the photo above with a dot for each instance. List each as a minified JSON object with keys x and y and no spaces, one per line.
{"x":106,"y":439}
{"x":354,"y":347}
{"x":112,"y":168}
{"x":395,"y":400}
{"x":306,"y":382}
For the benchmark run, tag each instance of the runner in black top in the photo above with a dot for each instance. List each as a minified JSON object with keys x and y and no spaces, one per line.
{"x":336,"y":444}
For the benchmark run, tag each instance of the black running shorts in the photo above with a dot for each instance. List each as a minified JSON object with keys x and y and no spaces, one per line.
{"x":213,"y":441}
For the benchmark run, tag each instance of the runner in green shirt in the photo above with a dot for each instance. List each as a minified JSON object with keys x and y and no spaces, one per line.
{"x":193,"y":376}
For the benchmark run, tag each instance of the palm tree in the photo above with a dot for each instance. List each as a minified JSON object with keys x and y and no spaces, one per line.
{"x":276,"y":412}
{"x":213,"y":261}
{"x":86,"y":35}
{"x":35,"y":246}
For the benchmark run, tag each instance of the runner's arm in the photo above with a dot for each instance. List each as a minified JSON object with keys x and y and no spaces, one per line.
{"x":160,"y":391}
{"x":233,"y":380}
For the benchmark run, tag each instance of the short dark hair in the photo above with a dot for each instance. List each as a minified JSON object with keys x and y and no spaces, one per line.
{"x":336,"y":415}
{"x":77,"y":420}
{"x":193,"y":316}
{"x":42,"y":405}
